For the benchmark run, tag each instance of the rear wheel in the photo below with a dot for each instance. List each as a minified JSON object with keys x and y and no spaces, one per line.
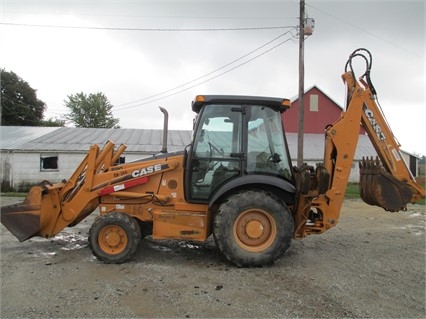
{"x":253,"y":228}
{"x":114,"y":237}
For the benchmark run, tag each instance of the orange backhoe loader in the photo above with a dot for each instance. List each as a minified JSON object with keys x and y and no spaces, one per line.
{"x":235,"y":181}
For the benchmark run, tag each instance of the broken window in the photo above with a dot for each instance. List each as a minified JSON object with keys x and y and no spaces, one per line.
{"x":49,"y":163}
{"x":121,"y":160}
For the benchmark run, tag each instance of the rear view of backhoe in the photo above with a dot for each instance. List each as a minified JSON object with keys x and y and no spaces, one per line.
{"x":385,"y":181}
{"x":234,"y":181}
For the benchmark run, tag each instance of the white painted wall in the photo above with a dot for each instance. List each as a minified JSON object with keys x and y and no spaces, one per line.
{"x":6,"y":170}
{"x":27,"y":171}
{"x":21,"y":170}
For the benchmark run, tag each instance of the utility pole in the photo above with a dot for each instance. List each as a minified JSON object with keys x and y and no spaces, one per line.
{"x":301,"y":83}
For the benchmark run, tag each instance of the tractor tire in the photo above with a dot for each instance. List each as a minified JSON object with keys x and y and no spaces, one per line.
{"x":114,"y":238}
{"x":253,"y":228}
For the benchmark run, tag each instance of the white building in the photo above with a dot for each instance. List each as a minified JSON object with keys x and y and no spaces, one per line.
{"x":30,"y":155}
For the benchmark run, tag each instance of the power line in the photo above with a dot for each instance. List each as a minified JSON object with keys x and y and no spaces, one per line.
{"x":206,"y":75}
{"x":209,"y":79}
{"x":185,"y":17}
{"x":143,"y":29}
{"x":365,"y":31}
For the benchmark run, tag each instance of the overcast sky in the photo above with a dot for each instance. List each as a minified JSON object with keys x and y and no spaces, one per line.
{"x":121,"y":48}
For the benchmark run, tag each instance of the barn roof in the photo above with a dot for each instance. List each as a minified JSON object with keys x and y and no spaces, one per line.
{"x":145,"y":141}
{"x":71,"y":139}
{"x":14,"y":137}
{"x":296,"y":97}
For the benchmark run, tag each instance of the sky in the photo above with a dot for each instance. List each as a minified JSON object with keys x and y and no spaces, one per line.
{"x":145,"y":54}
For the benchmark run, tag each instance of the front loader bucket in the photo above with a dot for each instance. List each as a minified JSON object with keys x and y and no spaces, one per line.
{"x":380,"y":188}
{"x":26,"y":219}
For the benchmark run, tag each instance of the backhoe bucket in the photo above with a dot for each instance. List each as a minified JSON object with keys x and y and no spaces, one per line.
{"x":380,"y":188}
{"x":26,"y":220}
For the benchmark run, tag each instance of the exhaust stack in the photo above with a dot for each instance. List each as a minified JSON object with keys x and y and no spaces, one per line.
{"x":165,"y":129}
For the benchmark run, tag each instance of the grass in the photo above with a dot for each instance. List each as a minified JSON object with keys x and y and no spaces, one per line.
{"x":422,"y":181}
{"x":352,"y":191}
{"x":13,"y":194}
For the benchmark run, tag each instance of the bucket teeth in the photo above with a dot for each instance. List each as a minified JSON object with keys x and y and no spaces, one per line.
{"x":370,"y":165}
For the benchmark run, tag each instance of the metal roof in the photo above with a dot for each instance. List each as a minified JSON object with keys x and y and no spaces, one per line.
{"x":13,"y":137}
{"x":71,"y":139}
{"x":144,"y":141}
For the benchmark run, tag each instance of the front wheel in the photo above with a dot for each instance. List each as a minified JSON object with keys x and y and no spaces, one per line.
{"x":114,"y":237}
{"x":253,"y":228}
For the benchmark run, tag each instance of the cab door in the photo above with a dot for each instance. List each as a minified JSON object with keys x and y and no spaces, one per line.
{"x":215,"y":154}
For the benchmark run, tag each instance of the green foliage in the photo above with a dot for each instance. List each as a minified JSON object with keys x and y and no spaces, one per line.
{"x":93,"y":110}
{"x":352,"y":190}
{"x":53,"y":122}
{"x":422,"y":181}
{"x":19,"y":103}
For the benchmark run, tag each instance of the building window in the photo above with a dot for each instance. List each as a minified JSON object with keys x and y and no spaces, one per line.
{"x":121,"y":160}
{"x":313,"y":103}
{"x":48,"y":163}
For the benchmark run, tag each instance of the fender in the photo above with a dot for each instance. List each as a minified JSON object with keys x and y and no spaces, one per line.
{"x":246,"y":180}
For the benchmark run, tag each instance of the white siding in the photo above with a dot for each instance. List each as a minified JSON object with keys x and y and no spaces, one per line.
{"x":26,"y":168}
{"x":21,"y":170}
{"x":6,"y":170}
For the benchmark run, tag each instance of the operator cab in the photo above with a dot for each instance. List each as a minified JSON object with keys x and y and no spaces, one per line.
{"x":235,"y":136}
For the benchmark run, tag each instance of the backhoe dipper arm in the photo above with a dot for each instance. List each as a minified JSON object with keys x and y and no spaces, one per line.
{"x":388,"y":150}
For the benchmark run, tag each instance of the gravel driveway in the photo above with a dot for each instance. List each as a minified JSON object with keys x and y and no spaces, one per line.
{"x":371,"y":265}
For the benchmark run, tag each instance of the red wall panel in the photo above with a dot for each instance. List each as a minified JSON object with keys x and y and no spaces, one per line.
{"x":315,"y":119}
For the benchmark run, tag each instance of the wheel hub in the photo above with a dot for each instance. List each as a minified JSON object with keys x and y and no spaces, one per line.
{"x":112,"y":239}
{"x":254,"y":230}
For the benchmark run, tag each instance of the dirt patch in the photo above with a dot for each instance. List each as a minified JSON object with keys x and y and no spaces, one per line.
{"x":371,"y":265}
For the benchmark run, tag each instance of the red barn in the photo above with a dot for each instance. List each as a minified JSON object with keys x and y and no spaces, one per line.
{"x":320,"y":111}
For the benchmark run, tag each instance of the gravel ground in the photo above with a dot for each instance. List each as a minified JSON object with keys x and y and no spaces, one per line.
{"x":371,"y":265}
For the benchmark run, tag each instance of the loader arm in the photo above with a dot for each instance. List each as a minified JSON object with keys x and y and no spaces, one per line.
{"x":49,"y":208}
{"x":387,"y":183}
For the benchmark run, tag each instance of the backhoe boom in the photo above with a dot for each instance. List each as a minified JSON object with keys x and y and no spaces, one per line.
{"x":387,"y":183}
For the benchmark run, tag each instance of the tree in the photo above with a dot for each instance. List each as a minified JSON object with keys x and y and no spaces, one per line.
{"x":19,"y":103}
{"x":53,"y":122}
{"x":93,"y":110}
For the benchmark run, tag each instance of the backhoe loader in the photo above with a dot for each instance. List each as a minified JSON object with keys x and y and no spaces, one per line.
{"x":234,"y":181}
